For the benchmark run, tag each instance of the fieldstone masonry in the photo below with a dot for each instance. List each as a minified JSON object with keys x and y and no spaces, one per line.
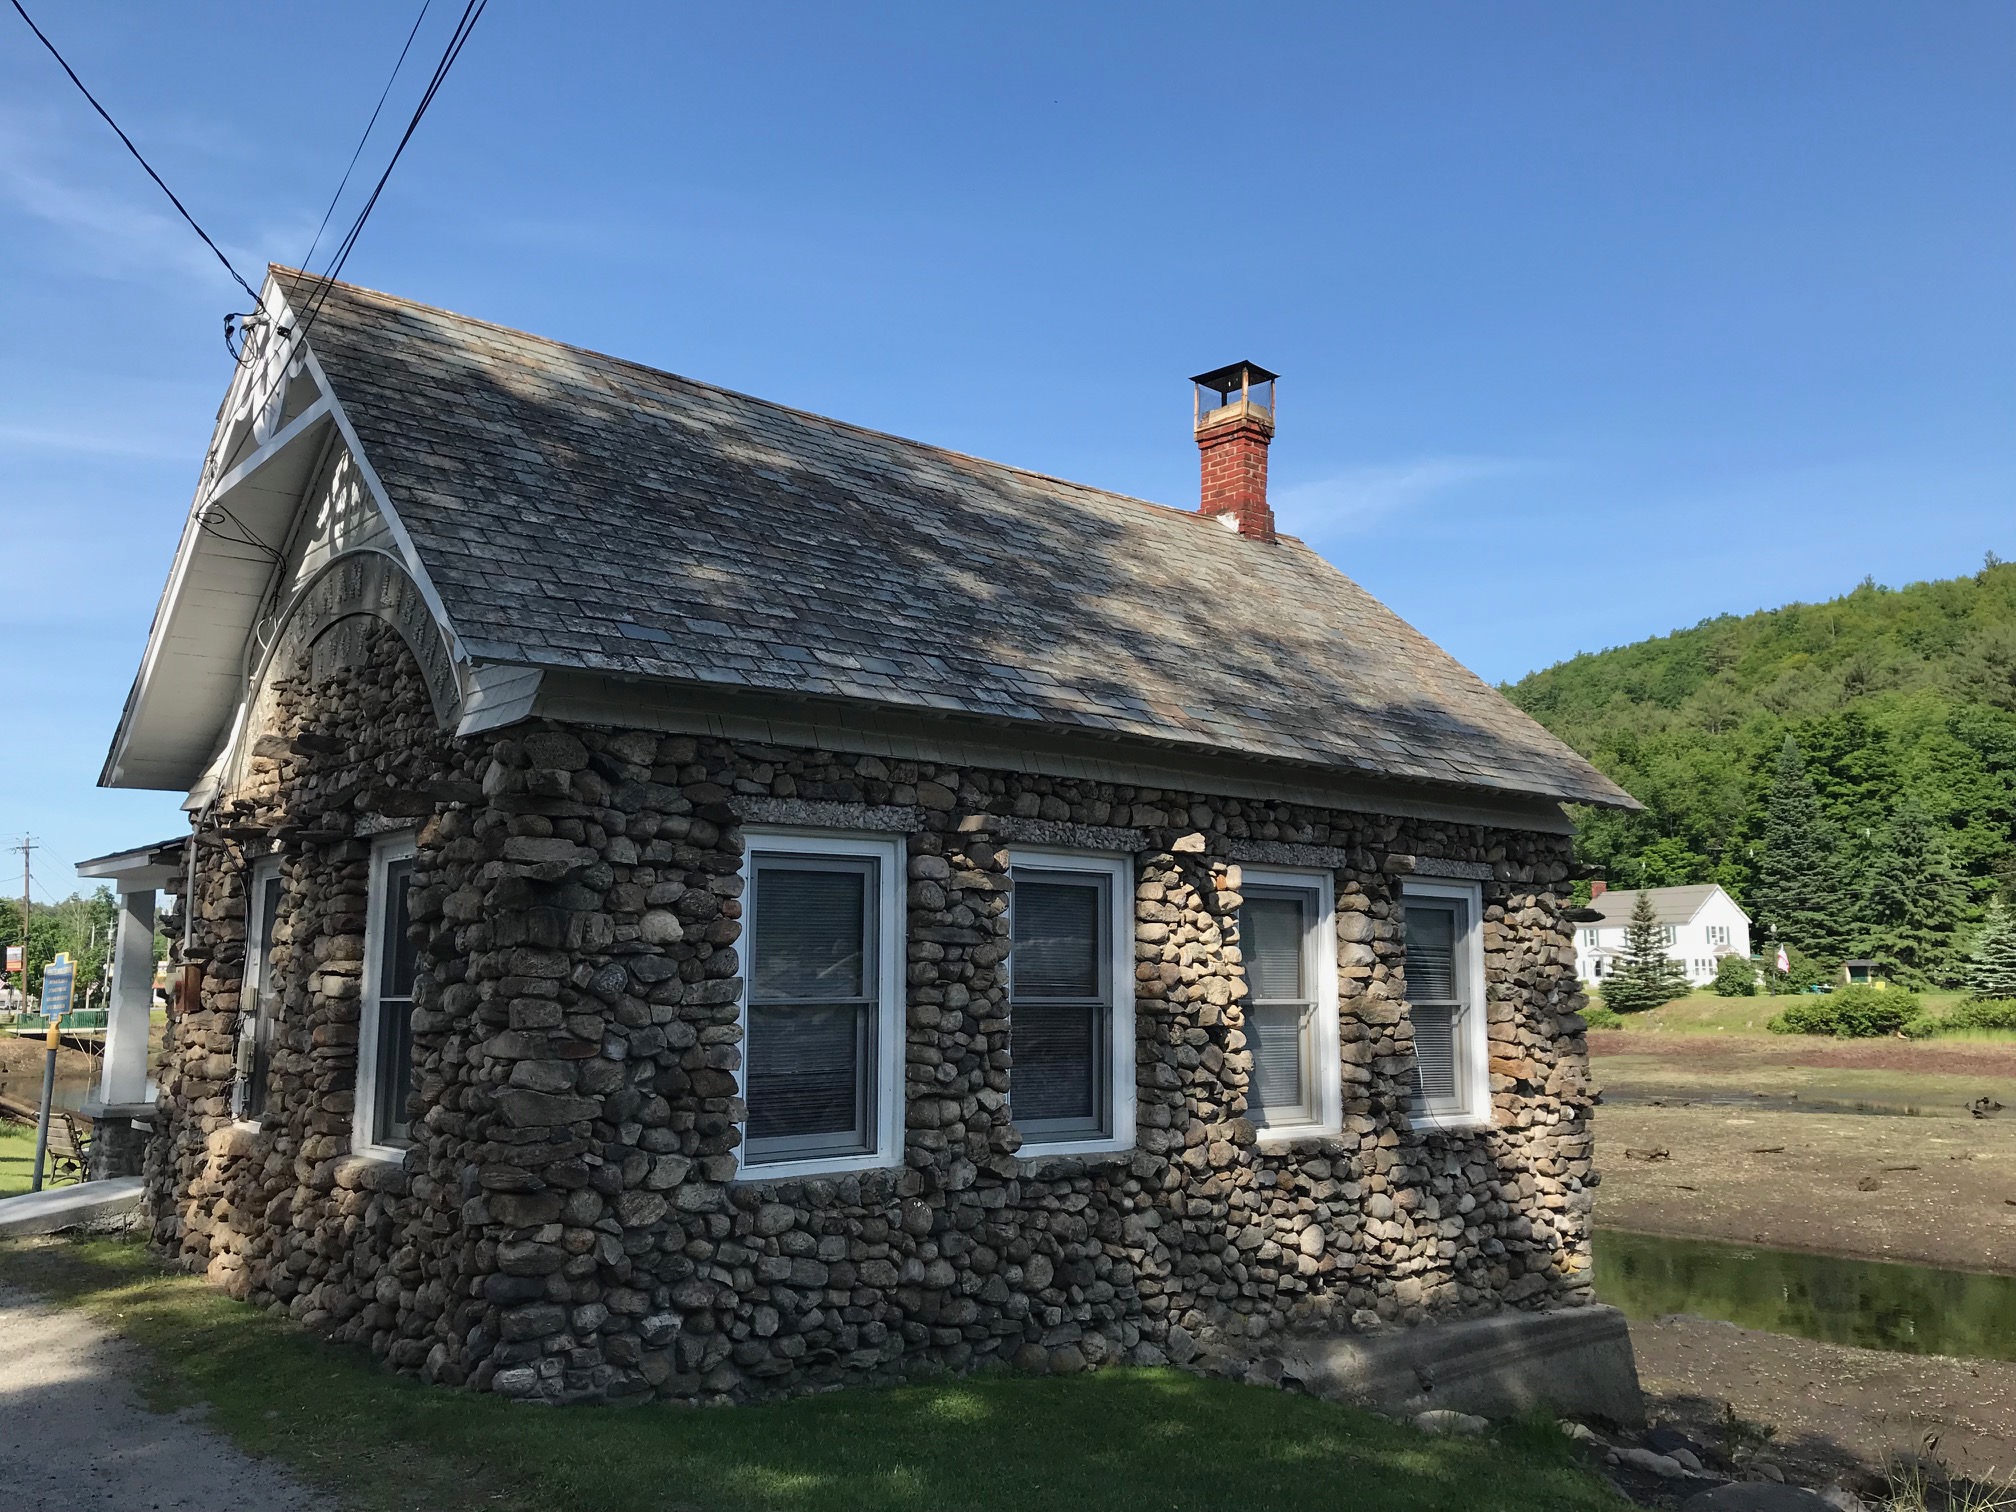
{"x":568,"y":1227}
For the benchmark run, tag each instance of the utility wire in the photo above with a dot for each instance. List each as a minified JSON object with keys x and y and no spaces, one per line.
{"x":136,"y":153}
{"x":471,"y":13}
{"x":368,"y":125}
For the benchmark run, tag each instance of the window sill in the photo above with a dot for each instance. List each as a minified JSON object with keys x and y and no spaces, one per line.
{"x":1451,"y":1123}
{"x":815,"y":1166}
{"x":1287,"y":1134}
{"x":1103,"y":1145}
{"x":384,"y":1154}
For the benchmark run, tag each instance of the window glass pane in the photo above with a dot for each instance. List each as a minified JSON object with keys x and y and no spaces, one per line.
{"x":1272,"y":931}
{"x":1431,"y":955}
{"x":1056,"y":1060}
{"x":397,"y":951}
{"x":398,"y":960}
{"x":269,"y":913}
{"x":1435,"y":1055}
{"x":265,"y":996}
{"x":811,"y":929}
{"x":806,"y":1078}
{"x":1275,"y":1036}
{"x":1056,"y":938}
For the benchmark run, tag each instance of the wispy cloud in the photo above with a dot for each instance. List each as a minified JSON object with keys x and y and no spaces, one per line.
{"x":1359,"y":498}
{"x":56,"y":438}
{"x":106,"y":214}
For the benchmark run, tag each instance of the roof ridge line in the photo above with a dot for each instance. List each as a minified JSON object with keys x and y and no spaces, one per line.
{"x":772,"y":404}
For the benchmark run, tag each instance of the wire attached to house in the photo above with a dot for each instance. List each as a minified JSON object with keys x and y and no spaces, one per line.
{"x":107,"y":118}
{"x":472,"y":12}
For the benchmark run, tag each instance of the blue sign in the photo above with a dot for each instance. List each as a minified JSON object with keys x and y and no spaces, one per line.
{"x":59,"y":982}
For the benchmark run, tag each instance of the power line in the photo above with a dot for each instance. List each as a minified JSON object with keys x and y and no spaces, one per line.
{"x":471,"y":13}
{"x":368,"y":125}
{"x":106,"y":116}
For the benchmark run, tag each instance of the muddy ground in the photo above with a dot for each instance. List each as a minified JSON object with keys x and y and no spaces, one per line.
{"x":1835,"y":1412}
{"x":1709,"y":1137}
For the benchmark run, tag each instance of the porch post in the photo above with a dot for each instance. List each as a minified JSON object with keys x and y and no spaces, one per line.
{"x":126,"y":1025}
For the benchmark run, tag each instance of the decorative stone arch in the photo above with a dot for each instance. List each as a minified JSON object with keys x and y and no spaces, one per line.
{"x":324,"y":630}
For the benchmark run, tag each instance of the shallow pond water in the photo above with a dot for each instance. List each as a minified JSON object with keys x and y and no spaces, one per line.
{"x":1911,"y":1309}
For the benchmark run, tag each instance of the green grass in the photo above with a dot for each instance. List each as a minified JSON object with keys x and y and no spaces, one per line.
{"x":1702,"y":1012}
{"x":17,"y":1158}
{"x":1117,"y":1439}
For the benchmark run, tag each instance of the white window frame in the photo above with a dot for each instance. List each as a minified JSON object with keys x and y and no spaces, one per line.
{"x":262,"y":871}
{"x":892,"y":1011}
{"x":400,"y":845}
{"x":1325,"y":1073}
{"x":1477,"y":1111}
{"x":1718,"y":935}
{"x":1122,"y":1094}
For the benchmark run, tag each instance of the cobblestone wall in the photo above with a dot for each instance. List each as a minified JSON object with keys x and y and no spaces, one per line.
{"x":567,"y":1226}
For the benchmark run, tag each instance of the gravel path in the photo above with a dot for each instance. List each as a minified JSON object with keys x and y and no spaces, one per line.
{"x":74,"y":1437}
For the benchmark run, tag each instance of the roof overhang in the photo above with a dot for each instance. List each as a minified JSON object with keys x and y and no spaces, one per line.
{"x":142,"y":869}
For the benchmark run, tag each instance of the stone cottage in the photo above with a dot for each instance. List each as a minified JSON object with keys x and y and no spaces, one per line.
{"x":687,"y":897}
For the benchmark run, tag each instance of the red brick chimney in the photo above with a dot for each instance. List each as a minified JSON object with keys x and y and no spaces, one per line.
{"x":1597,"y":889}
{"x":1235,"y":425}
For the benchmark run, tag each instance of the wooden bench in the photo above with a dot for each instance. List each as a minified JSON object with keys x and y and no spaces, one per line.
{"x":69,"y":1150}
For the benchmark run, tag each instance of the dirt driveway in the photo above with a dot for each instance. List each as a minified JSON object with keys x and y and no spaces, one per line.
{"x":75,"y":1438}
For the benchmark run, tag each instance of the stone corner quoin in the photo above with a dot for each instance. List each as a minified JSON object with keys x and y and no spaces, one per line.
{"x":567,"y":1225}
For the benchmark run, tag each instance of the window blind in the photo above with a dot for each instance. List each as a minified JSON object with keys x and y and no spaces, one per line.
{"x":1431,"y":955}
{"x":805,"y":1072}
{"x":1272,"y":931}
{"x":1056,"y":939}
{"x":1435,"y":1054}
{"x":811,"y":933}
{"x":1274,"y":1035}
{"x":1438,"y":997}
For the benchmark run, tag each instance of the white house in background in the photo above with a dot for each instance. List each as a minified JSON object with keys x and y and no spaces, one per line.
{"x":1700,"y":924}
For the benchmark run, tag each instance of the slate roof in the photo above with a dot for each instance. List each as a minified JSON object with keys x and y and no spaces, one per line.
{"x":579,"y":511}
{"x":1670,"y":905}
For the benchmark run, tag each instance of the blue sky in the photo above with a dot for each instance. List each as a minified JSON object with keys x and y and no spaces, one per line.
{"x":1595,"y":320}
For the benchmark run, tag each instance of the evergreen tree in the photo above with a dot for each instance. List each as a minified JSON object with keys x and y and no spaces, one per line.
{"x":1912,"y":901}
{"x":1648,"y":976}
{"x":1799,"y":892}
{"x":1991,"y":967}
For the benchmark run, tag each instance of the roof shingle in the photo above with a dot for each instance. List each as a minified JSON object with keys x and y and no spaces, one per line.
{"x":594,"y":512}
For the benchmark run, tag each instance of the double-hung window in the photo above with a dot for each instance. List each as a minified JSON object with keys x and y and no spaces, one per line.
{"x":1444,"y":975}
{"x":1718,"y":935}
{"x":1287,"y":941}
{"x":385,"y":1037}
{"x":822,"y":1075}
{"x":259,"y":1007}
{"x":1071,"y":1002}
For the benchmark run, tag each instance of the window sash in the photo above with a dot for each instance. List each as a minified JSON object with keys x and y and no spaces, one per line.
{"x":772,"y":1083}
{"x":260,"y":1001}
{"x":1444,"y":1031}
{"x":397,"y":966}
{"x":1039,"y":1022}
{"x":1281,"y":1030}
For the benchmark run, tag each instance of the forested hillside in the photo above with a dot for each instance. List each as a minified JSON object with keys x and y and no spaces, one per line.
{"x":1901,"y":709}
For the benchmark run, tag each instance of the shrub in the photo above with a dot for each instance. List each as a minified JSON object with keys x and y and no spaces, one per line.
{"x":1806,"y":972}
{"x":1982,"y":1013}
{"x":1596,"y":1016}
{"x":1735,"y":976}
{"x":1851,"y":1013}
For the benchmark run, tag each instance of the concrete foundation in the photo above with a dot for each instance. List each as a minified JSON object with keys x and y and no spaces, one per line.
{"x":81,"y":1206}
{"x":1576,"y":1362}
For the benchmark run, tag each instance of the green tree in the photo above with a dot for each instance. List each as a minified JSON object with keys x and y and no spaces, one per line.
{"x":1991,"y":966}
{"x":1648,"y":976}
{"x":1798,"y":893}
{"x":1735,"y":976}
{"x":1912,"y":902}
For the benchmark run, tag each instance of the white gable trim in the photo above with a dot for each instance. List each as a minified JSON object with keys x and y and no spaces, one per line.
{"x":217,"y":662}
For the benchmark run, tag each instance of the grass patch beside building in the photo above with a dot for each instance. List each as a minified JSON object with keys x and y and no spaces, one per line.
{"x":1117,"y":1439}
